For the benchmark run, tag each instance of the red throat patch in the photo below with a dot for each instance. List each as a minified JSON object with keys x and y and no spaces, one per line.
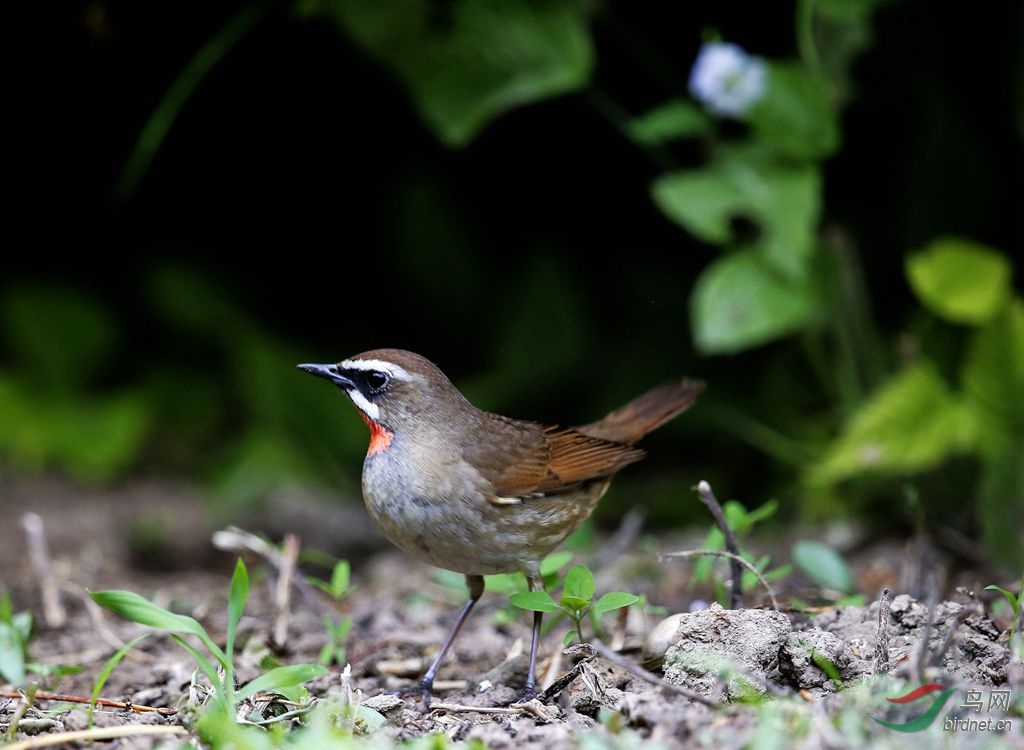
{"x":380,"y":438}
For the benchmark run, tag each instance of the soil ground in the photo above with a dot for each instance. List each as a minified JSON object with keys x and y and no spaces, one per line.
{"x":154,"y":539}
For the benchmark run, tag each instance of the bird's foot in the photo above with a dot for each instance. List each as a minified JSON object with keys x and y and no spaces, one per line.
{"x":422,"y":689}
{"x":528,"y":694}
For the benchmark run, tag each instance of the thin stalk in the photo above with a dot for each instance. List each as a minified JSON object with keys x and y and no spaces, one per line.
{"x":166,"y":112}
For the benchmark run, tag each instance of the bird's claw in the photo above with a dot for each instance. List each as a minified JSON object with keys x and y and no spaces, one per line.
{"x":421,"y":689}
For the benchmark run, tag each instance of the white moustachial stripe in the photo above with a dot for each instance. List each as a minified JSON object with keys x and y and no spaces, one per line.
{"x":368,"y":408}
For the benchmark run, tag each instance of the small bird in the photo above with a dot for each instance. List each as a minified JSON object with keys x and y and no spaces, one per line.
{"x":476,"y":492}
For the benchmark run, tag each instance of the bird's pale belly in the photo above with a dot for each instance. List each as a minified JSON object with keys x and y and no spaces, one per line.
{"x":461,"y":530}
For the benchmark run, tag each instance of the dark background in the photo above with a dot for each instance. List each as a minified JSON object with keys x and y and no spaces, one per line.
{"x":299,"y":186}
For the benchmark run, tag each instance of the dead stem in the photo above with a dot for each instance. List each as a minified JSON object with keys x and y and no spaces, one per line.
{"x":66,"y":698}
{"x":283,"y":593}
{"x":881,"y":662}
{"x":707,"y":497}
{"x":100,"y":733}
{"x":54,"y":614}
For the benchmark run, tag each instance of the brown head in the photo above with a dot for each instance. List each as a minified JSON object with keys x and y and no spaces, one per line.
{"x":394,"y":388}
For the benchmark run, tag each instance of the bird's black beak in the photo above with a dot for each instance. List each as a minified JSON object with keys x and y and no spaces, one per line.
{"x":329,"y":372}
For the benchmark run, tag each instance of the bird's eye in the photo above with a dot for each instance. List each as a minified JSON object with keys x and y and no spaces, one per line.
{"x":377,"y":380}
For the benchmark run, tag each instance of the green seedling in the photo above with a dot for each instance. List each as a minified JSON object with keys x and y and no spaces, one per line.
{"x":15,"y":631}
{"x":825,"y":567}
{"x":741,"y":521}
{"x":338,"y":588}
{"x":1016,"y":601}
{"x":576,"y":601}
{"x":215,"y":663}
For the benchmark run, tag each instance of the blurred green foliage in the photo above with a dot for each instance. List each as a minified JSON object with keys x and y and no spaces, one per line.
{"x":465,"y":63}
{"x":61,"y":339}
{"x":857,"y":407}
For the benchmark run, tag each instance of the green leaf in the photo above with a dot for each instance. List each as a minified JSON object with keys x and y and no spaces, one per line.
{"x":236,"y":603}
{"x":614,"y":600}
{"x":504,"y":583}
{"x":742,"y":520}
{"x":554,"y":563}
{"x":574,"y":604}
{"x":535,"y":601}
{"x":993,"y":382}
{"x":702,"y":201}
{"x":133,"y":607}
{"x":569,"y":637}
{"x":12,"y":655}
{"x":823,"y":565}
{"x":838,"y":31}
{"x":281,"y":677}
{"x":1000,"y":503}
{"x":668,"y":122}
{"x":993,"y":378}
{"x":340,"y":577}
{"x":911,"y":424}
{"x":1013,"y":600}
{"x":207,"y":667}
{"x":740,"y":301}
{"x":579,"y":582}
{"x":782,"y":199}
{"x":960,"y":280}
{"x":794,"y":114}
{"x":468,"y":62}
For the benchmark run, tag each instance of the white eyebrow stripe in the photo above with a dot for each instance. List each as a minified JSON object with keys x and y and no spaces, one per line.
{"x":396,"y":371}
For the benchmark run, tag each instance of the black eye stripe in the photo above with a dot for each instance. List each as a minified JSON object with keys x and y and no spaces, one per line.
{"x":369,"y":382}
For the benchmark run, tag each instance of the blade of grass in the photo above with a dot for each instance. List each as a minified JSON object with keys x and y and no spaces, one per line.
{"x":164,"y":114}
{"x":133,"y":607}
{"x":281,"y":677}
{"x":108,"y":669}
{"x":207,"y":668}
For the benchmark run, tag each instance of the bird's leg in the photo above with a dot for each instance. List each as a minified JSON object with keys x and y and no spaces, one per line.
{"x":530,"y":688}
{"x":426,"y":683}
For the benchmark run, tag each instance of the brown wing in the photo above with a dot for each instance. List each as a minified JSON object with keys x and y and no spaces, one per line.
{"x":534,"y":459}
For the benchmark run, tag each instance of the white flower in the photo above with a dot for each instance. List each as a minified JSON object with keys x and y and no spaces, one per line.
{"x":727,"y":79}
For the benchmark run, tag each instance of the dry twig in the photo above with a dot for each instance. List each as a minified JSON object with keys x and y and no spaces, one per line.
{"x":99,"y":733}
{"x":708,"y":498}
{"x":919,"y":660}
{"x":736,"y":560}
{"x":66,"y":698}
{"x":557,"y":686}
{"x":283,"y":594}
{"x":881,"y":662}
{"x":635,"y":669}
{"x":952,"y":626}
{"x":53,"y":611}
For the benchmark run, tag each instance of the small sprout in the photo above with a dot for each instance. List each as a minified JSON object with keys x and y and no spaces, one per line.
{"x":215,"y":663}
{"x":823,"y":565}
{"x":15,"y":631}
{"x":1016,"y":602}
{"x":338,"y":588}
{"x":575,"y":602}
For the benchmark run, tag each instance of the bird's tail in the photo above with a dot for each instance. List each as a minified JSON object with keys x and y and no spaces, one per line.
{"x":645,"y":413}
